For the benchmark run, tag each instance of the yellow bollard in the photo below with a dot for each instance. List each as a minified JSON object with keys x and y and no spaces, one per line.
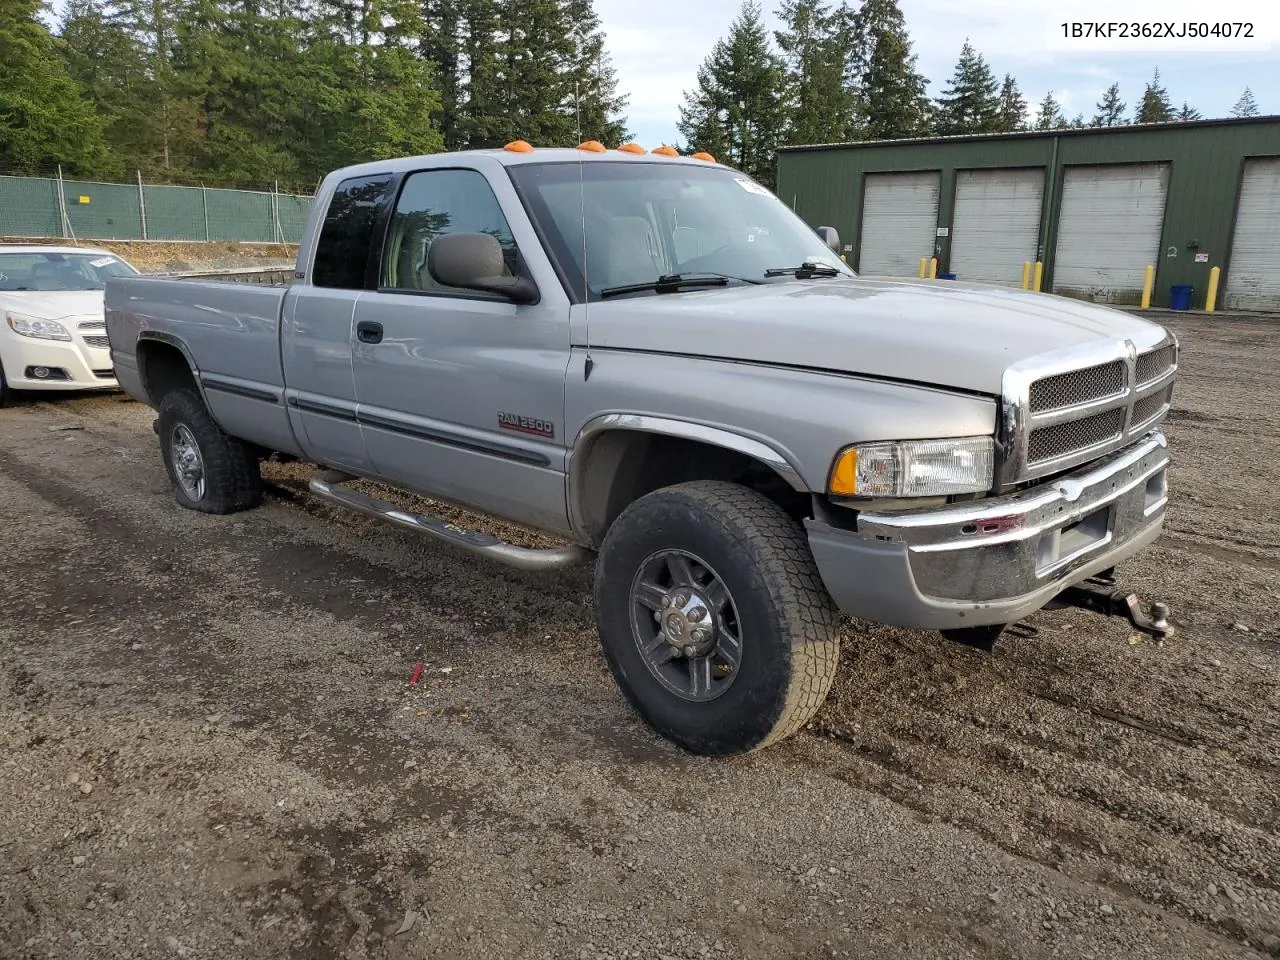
{"x":933,"y":268}
{"x":1211,"y":298}
{"x":1148,"y":281}
{"x":1039,"y":275}
{"x":924,"y":267}
{"x":1026,"y":275}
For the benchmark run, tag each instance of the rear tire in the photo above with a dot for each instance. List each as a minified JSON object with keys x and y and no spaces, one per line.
{"x":211,"y":472}
{"x":694,"y":577}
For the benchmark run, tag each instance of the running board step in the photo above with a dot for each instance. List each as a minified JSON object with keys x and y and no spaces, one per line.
{"x":326,"y":486}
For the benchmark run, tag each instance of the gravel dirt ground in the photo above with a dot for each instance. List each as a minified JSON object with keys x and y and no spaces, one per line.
{"x":209,"y":747}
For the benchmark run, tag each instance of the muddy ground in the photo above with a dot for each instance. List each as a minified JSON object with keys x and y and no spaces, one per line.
{"x":209,"y":746}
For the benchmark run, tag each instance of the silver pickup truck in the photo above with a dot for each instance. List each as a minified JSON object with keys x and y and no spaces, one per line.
{"x":654,"y":360}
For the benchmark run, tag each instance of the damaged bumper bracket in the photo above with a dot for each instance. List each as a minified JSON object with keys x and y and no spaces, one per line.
{"x":1100,"y":595}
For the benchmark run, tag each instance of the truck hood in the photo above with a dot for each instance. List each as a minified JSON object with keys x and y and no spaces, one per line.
{"x":53,"y":304}
{"x":941,"y":332}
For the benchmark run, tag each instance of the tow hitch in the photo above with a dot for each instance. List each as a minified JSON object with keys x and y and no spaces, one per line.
{"x":1100,"y":595}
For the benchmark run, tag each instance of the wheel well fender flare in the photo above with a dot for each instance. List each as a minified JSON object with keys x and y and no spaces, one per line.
{"x":580,"y":457}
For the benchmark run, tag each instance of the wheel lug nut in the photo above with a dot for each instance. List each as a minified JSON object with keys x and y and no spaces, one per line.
{"x":666,"y":601}
{"x":690,"y":650}
{"x":700,"y":634}
{"x":697,"y":614}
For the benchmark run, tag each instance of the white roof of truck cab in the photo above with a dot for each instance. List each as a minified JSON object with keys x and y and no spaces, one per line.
{"x":510,"y":158}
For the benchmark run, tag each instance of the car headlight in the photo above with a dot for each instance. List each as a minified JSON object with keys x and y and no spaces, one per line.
{"x":33,"y":327}
{"x":914,"y":468}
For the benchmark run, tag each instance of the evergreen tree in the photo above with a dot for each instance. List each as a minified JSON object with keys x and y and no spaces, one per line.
{"x":736,"y":111}
{"x":1188,"y":113}
{"x":1077,"y":122}
{"x":816,"y":50}
{"x":170,"y":128}
{"x":1013,"y":107}
{"x":1246,"y":106}
{"x":110,"y":67}
{"x":1050,"y":115}
{"x":45,"y":119}
{"x":1110,"y":108}
{"x":893,"y":100}
{"x":1155,"y":106}
{"x":972,"y":103}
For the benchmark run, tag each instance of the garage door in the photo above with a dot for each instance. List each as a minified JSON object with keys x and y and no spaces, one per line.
{"x":1253,"y":275}
{"x":899,"y":223}
{"x":995,"y":228}
{"x":1109,"y":230}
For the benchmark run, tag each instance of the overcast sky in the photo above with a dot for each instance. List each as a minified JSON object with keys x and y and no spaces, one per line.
{"x":657,"y":45}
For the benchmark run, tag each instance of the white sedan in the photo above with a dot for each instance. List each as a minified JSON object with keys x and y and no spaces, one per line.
{"x":53,"y":332}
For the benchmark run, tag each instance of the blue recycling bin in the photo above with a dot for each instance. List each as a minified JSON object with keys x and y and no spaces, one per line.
{"x":1180,"y":296}
{"x":946,"y":276}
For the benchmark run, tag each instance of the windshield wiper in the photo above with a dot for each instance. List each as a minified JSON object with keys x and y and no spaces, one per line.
{"x":805,"y":271}
{"x":673,"y":282}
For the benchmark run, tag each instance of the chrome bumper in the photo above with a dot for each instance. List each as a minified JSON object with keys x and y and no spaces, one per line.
{"x":996,"y":560}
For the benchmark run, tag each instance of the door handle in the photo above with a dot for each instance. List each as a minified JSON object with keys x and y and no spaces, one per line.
{"x":369,"y":332}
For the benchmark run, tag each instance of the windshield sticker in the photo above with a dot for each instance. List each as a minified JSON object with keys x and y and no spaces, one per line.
{"x":102,"y":261}
{"x":752,"y":187}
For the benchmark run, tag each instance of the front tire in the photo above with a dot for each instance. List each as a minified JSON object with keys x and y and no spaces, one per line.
{"x":211,"y":471}
{"x":713,"y":617}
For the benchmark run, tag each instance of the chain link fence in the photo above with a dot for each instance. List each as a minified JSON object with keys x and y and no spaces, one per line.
{"x":43,"y":207}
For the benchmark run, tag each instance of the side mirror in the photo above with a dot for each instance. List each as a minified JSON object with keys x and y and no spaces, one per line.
{"x":830,"y":238}
{"x":473,"y":261}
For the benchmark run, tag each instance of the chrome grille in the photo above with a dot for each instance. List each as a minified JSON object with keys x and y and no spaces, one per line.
{"x":1060,"y":439}
{"x":1078,"y":386}
{"x":1149,"y":406}
{"x":96,"y":341}
{"x":92,"y":325}
{"x":1063,"y":410}
{"x":1154,"y":365}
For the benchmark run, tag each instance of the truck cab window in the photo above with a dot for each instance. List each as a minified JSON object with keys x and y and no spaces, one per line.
{"x":433,"y":203}
{"x":342,"y":252}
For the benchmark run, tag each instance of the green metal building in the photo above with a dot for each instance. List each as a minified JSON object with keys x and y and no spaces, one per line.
{"x":1095,"y":207}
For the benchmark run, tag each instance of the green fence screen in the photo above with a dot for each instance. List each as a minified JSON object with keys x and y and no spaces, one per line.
{"x":34,"y":207}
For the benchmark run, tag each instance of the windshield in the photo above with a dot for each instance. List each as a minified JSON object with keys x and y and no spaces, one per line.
{"x":651,"y":220}
{"x":59,"y":271}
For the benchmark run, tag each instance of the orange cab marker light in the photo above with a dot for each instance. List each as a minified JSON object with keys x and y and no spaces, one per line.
{"x":518,"y":146}
{"x":594,"y":146}
{"x":631,"y":148}
{"x":666,"y":151}
{"x":703,"y":155}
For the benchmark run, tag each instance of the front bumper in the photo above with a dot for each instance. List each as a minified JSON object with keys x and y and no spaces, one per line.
{"x":83,"y":366}
{"x":997,"y":560}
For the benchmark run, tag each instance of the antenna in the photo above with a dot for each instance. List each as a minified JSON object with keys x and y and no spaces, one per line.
{"x":580,"y":36}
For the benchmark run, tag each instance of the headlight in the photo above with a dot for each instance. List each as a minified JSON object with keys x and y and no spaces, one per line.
{"x":40,"y":329}
{"x":915,"y":468}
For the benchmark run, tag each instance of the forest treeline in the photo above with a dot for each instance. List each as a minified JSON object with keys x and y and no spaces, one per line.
{"x":255,"y":92}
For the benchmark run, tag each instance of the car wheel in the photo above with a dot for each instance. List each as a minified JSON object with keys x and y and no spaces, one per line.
{"x":210,"y":471}
{"x":713,"y":617}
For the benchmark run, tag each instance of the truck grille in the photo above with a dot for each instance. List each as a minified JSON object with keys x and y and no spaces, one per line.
{"x":1067,"y":418}
{"x":1077,"y":387}
{"x":1050,"y":443}
{"x":1152,"y":366}
{"x":1146,"y":409}
{"x":96,"y":341}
